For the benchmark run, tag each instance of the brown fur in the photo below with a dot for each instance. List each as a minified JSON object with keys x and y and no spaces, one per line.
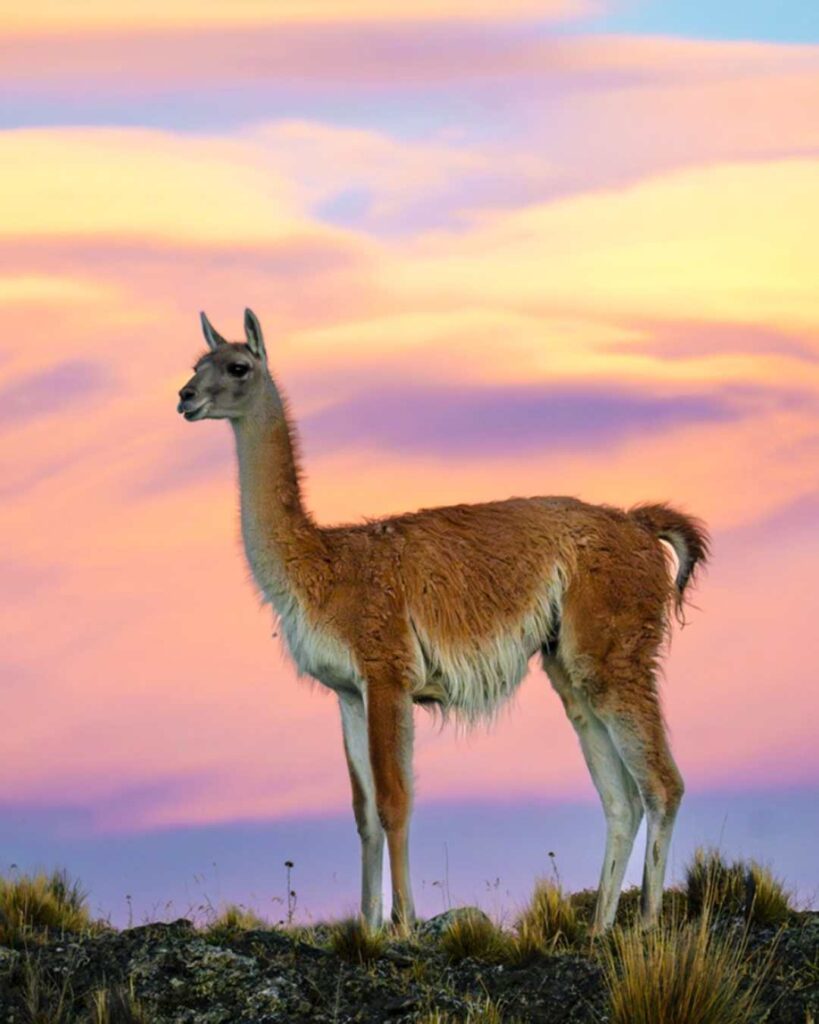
{"x":405,"y":598}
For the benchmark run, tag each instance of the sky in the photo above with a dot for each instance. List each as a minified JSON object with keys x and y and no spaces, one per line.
{"x":500,"y":247}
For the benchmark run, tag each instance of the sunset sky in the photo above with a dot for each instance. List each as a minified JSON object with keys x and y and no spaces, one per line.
{"x":498,"y":247}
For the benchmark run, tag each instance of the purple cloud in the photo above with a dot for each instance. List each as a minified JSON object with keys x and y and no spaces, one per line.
{"x":50,"y":391}
{"x":794,"y":521}
{"x":461,"y":421}
{"x":402,"y":56}
{"x":286,"y":258}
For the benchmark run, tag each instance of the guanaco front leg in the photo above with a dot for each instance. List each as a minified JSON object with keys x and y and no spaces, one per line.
{"x":357,"y":750}
{"x":390,"y":730}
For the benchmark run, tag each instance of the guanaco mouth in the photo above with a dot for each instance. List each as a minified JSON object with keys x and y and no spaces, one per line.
{"x":193,"y":414}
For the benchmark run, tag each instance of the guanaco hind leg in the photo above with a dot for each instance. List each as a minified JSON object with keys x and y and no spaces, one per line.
{"x":639,"y":735}
{"x":618,"y":792}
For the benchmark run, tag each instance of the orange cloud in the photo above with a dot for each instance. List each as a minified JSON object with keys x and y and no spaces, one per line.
{"x":139,"y":182}
{"x":254,"y":187}
{"x":732,"y":242}
{"x":55,"y":15}
{"x":128,"y":604}
{"x":51,"y":288}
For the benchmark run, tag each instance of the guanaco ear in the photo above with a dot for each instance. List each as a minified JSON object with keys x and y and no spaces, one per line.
{"x":253,"y":333}
{"x":212,"y":336}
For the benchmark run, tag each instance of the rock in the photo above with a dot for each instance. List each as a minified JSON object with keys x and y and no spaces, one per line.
{"x":8,"y":958}
{"x":436,"y":926}
{"x":181,"y":975}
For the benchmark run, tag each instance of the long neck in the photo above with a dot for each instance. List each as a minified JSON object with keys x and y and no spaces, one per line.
{"x":280,"y":537}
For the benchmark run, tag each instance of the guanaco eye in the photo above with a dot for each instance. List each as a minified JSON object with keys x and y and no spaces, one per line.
{"x":238,"y":369}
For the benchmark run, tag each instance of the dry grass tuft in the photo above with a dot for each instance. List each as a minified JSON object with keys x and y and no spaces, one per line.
{"x":353,"y":941}
{"x":485,"y":1011}
{"x":550,"y":922}
{"x":46,"y":1000}
{"x":234,"y":920}
{"x":31,"y":907}
{"x":525,"y":945}
{"x":117,"y":1006}
{"x":473,"y":935}
{"x":682,"y":972}
{"x":769,"y":901}
{"x":309,"y":934}
{"x":739,"y":888}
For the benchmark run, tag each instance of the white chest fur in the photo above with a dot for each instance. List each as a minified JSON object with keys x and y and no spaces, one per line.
{"x":315,"y":651}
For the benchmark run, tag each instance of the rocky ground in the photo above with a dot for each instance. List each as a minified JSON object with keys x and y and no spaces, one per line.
{"x":177,"y":974}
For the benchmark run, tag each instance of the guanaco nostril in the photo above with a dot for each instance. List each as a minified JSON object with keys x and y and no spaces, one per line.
{"x":187,"y":393}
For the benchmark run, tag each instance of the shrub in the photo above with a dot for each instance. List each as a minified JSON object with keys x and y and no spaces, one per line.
{"x":740,"y":888}
{"x":353,"y":941}
{"x":584,"y":901}
{"x":629,"y":907}
{"x":681,"y":972}
{"x":33,"y":906}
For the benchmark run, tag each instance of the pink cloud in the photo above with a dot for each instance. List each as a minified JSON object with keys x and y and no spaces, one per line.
{"x":141,"y":662}
{"x":231,"y":752}
{"x":146,"y":608}
{"x":135,"y":63}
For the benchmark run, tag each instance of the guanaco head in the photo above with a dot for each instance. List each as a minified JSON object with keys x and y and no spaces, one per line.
{"x":228,"y":377}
